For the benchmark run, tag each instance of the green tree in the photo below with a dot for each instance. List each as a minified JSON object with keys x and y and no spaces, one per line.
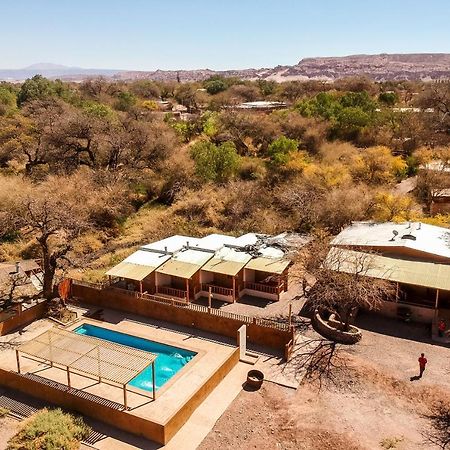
{"x":213,"y":162}
{"x":35,"y":88}
{"x":125,"y":101}
{"x":7,"y":100}
{"x":388,"y":98}
{"x":215,"y":85}
{"x":280,"y":150}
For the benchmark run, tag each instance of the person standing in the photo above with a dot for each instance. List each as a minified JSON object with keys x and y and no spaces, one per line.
{"x":422,"y":363}
{"x":441,"y":328}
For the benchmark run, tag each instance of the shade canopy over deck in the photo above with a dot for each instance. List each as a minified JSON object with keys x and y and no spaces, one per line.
{"x":277,"y":266}
{"x":138,"y":265}
{"x":418,"y":273}
{"x":89,"y":356}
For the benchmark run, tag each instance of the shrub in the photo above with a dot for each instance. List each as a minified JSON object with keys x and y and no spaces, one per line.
{"x":215,"y":163}
{"x":50,"y":430}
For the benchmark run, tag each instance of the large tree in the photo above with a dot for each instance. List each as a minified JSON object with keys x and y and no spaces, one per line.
{"x":341,"y":282}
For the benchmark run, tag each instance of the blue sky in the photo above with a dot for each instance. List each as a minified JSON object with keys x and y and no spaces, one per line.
{"x":216,"y":34}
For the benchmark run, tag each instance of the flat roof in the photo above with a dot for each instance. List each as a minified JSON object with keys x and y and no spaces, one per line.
{"x":419,"y":273}
{"x":270,"y":265}
{"x":414,"y":235}
{"x":172,"y":244}
{"x":227,"y":261}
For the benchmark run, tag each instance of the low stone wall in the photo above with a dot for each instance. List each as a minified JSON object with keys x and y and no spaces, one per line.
{"x":75,"y":400}
{"x":218,"y":322}
{"x":329,"y":331}
{"x":23,"y":318}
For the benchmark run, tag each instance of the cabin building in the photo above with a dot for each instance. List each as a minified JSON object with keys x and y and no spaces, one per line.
{"x":414,"y":256}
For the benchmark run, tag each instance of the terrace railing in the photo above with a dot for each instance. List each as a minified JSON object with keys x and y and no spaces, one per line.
{"x":269,"y":289}
{"x":172,"y":292}
{"x":217,"y":289}
{"x":177,"y":303}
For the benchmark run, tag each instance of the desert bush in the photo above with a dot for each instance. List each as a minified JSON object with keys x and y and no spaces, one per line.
{"x":50,"y":430}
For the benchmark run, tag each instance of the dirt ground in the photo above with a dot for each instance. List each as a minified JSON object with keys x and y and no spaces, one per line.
{"x":8,"y":428}
{"x":372,"y":403}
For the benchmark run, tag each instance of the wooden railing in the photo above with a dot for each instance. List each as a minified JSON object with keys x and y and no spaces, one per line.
{"x":264,"y":287}
{"x":173,"y":292}
{"x":217,"y":289}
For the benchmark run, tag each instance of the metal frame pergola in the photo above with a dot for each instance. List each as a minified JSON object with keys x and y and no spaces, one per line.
{"x":89,"y":356}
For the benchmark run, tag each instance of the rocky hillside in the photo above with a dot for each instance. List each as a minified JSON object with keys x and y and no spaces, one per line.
{"x":420,"y":66}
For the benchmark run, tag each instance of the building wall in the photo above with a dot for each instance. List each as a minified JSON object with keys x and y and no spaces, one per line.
{"x":418,"y":313}
{"x":218,"y":324}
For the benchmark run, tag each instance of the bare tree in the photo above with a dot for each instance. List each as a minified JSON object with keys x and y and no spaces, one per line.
{"x":343,"y":283}
{"x":9,"y":287}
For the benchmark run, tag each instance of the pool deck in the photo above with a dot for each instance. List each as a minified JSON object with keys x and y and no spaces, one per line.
{"x":170,"y":398}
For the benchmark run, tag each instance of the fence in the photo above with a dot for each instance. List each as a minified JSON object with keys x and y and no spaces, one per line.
{"x":22,"y":316}
{"x":260,"y":331}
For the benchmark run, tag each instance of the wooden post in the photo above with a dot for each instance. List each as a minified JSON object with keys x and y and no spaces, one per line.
{"x":436,"y":305}
{"x":396,"y":293}
{"x":187,"y":290}
{"x":290,"y":314}
{"x":209,"y":298}
{"x":109,"y":279}
{"x":68,"y":377}
{"x":18,"y":361}
{"x":234,"y":289}
{"x":125,"y":403}
{"x":140,"y":287}
{"x":153,"y":380}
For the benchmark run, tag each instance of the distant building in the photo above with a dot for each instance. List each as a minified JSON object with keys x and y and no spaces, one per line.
{"x":415,"y":256}
{"x":262,"y":105}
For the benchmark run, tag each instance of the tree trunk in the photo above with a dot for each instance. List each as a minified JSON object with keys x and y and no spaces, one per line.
{"x":49,"y":267}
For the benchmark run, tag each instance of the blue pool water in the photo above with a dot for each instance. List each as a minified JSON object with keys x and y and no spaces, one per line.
{"x":168,"y":362}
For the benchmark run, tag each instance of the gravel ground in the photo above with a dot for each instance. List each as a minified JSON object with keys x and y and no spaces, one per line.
{"x":372,"y":403}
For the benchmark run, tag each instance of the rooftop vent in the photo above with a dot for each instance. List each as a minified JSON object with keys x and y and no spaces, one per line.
{"x":409,"y":237}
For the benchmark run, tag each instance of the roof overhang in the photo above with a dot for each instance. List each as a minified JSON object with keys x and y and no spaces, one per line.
{"x":130,"y":271}
{"x":269,"y":265}
{"x":418,"y":273}
{"x":178,"y":268}
{"x":223,"y":266}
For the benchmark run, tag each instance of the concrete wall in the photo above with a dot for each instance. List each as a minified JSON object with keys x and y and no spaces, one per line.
{"x":24,"y":318}
{"x":217,"y":323}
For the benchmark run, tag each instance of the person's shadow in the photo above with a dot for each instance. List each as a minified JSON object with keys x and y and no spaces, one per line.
{"x":415,"y":378}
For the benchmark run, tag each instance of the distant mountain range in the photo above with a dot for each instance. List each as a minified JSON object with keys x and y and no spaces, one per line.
{"x":383,"y":67}
{"x":53,"y":71}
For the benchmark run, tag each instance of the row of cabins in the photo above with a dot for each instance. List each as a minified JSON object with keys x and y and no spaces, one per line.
{"x":415,"y":256}
{"x":189,"y":268}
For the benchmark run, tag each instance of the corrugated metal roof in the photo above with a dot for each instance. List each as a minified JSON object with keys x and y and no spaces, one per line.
{"x":268,"y":265}
{"x":419,"y":273}
{"x":177,"y":268}
{"x":130,"y":271}
{"x":421,"y":237}
{"x":224,"y":267}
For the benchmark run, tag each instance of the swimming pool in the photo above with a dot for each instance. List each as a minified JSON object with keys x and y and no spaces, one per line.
{"x":168,"y":362}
